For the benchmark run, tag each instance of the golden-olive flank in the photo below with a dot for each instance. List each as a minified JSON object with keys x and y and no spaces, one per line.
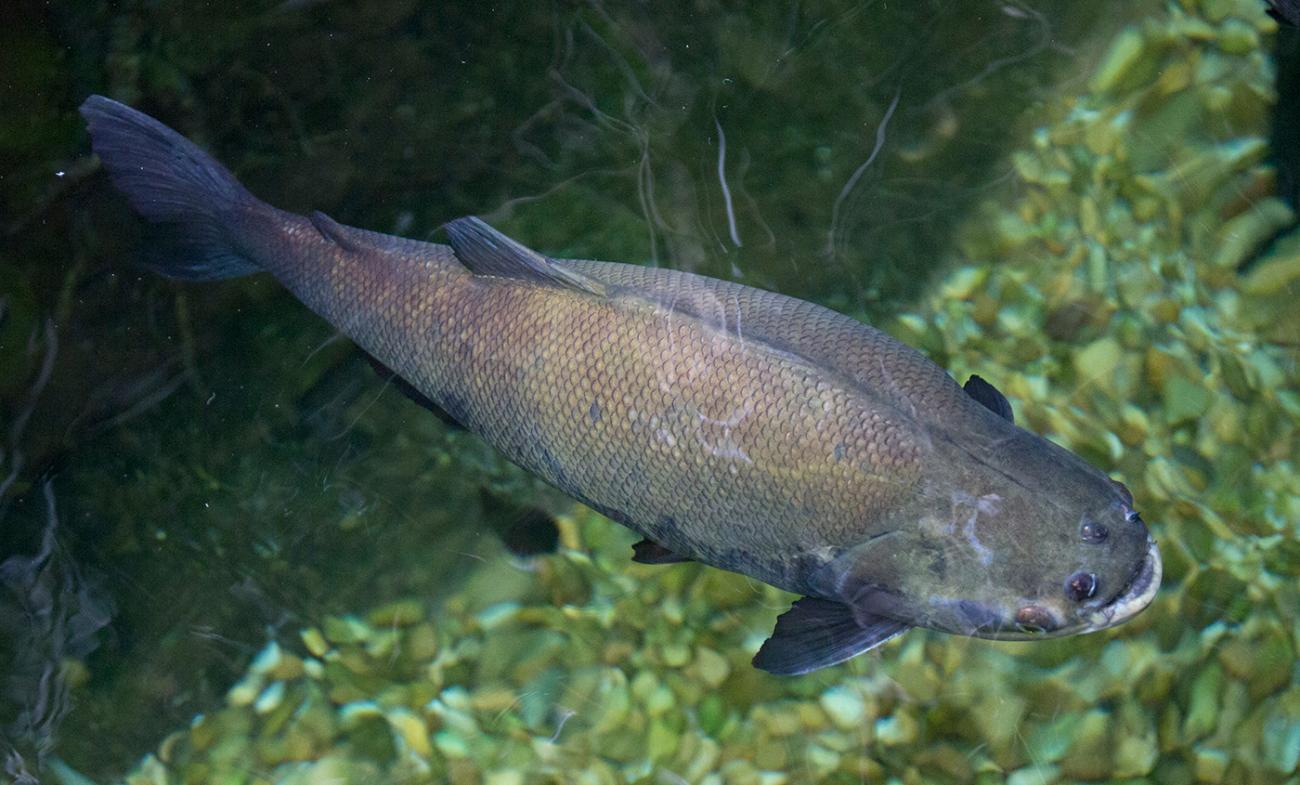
{"x":724,"y":424}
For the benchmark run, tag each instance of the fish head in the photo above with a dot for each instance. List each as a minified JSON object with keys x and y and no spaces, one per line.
{"x":1081,"y":569}
{"x":1115,"y":563}
{"x":1039,"y":545}
{"x":1079,"y":557}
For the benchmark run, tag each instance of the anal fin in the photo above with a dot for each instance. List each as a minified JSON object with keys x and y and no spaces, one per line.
{"x":817,"y":633}
{"x":411,"y":392}
{"x":651,"y":552}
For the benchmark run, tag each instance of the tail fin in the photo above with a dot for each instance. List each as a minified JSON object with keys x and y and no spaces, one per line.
{"x":198,"y":208}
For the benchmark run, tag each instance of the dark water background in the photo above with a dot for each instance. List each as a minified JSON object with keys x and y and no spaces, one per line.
{"x":190,"y":471}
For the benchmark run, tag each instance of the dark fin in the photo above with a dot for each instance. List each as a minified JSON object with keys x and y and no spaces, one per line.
{"x":195,"y":204}
{"x":343,"y":236}
{"x":817,"y":633}
{"x":1284,"y":135}
{"x":525,"y":531}
{"x":1285,"y":11}
{"x":988,"y":395}
{"x":355,"y":240}
{"x":485,"y":251}
{"x":410,"y":391}
{"x":533,"y":533}
{"x":651,"y":552}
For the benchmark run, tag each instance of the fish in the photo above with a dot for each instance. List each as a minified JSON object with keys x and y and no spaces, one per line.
{"x":723,"y":424}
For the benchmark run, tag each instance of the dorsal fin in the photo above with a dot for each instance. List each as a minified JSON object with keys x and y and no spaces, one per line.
{"x":992,"y":399}
{"x":364,"y":241}
{"x":336,"y":232}
{"x":485,"y":251}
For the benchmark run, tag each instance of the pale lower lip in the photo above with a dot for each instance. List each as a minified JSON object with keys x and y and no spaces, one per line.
{"x":1139,"y":594}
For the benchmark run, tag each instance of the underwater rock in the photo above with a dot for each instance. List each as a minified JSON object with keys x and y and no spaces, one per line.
{"x":342,"y":630}
{"x":1277,"y":272}
{"x":411,"y":730}
{"x":1039,"y":774}
{"x":845,"y":705}
{"x":710,"y":667}
{"x":399,"y":613}
{"x":1136,"y":749}
{"x":1211,"y":764}
{"x":1260,"y":656}
{"x":1241,"y":238}
{"x":1280,"y":736}
{"x":1204,"y":703}
{"x":899,"y":729}
{"x":270,"y":698}
{"x":1090,"y":756}
{"x":315,"y":641}
{"x":1128,"y":51}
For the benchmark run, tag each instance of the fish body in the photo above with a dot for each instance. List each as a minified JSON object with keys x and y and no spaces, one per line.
{"x":725,"y":424}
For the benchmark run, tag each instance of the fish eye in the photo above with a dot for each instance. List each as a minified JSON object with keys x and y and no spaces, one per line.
{"x":1081,"y":586}
{"x":1093,"y":532}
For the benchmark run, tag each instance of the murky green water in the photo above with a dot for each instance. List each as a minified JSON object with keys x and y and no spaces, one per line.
{"x":231,"y":554}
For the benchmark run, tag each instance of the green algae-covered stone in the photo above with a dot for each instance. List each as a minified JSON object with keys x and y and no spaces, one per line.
{"x":845,"y":706}
{"x":1127,"y":54}
{"x":345,"y":630}
{"x":1136,"y":747}
{"x":1280,"y":740}
{"x":1211,"y":764}
{"x":1204,"y":703}
{"x":1090,"y":756}
{"x":1262,"y":658}
{"x":399,"y":613}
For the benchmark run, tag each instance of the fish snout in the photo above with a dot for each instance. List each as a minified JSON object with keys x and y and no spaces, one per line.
{"x":1136,"y":596}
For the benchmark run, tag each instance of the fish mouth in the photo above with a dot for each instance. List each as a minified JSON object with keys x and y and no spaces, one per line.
{"x":1136,"y":596}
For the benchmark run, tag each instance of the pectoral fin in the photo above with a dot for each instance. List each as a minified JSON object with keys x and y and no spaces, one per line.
{"x":525,"y":531}
{"x":818,"y":633}
{"x":993,"y":400}
{"x":651,"y":552}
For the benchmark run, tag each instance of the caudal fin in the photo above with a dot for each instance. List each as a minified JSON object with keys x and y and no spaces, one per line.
{"x":199,"y":211}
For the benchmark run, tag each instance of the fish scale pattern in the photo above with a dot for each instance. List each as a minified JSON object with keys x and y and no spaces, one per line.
{"x":889,"y":369}
{"x":695,"y":433}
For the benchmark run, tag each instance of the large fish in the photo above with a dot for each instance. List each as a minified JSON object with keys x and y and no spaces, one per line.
{"x":724,"y":424}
